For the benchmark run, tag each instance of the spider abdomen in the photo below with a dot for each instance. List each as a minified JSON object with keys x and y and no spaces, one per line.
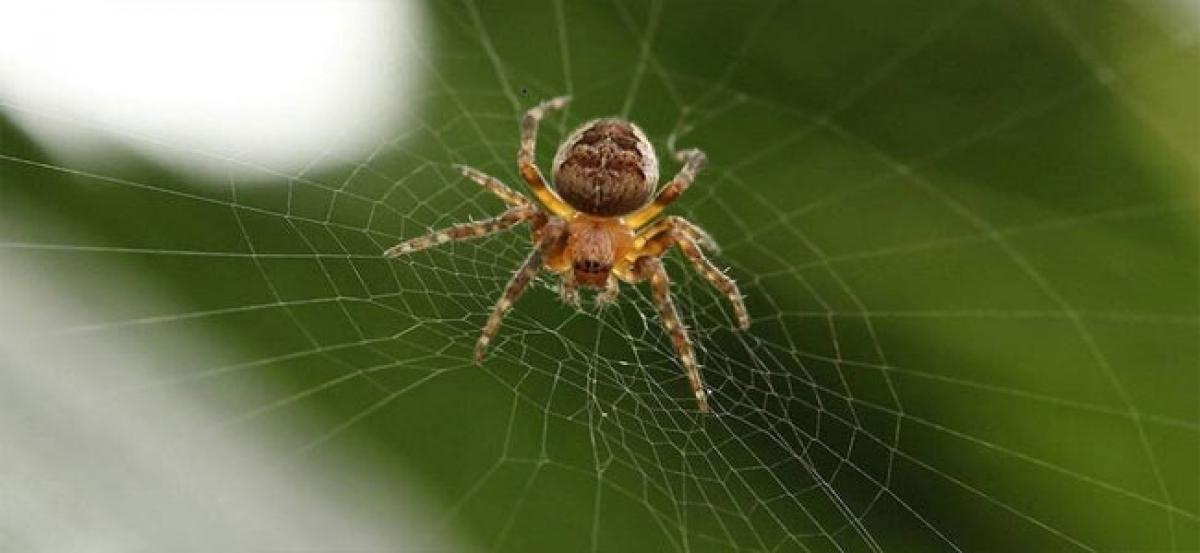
{"x":606,"y":167}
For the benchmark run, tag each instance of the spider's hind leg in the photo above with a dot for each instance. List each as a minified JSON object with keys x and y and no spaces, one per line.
{"x":693,"y":160}
{"x":493,"y":185}
{"x":464,"y":231}
{"x":525,"y":157}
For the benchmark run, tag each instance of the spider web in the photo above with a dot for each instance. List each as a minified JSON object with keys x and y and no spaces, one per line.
{"x":943,"y":356}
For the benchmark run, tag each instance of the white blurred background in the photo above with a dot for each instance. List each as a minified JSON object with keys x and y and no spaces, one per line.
{"x":212,"y":86}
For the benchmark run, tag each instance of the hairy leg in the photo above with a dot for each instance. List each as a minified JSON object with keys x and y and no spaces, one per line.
{"x":551,"y":236}
{"x":525,"y":157}
{"x":680,"y":232}
{"x":493,"y":185}
{"x":650,"y":268}
{"x":464,"y":231}
{"x":693,"y":161}
{"x":667,"y":224}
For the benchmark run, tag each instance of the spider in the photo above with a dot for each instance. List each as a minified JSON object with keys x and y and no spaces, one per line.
{"x":597,"y":225}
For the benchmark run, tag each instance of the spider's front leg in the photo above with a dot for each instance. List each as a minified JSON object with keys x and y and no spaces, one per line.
{"x":651,"y":268}
{"x":677,"y":231}
{"x":549,"y":237}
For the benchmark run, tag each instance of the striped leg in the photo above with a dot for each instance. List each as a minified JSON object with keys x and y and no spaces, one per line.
{"x":680,"y":232}
{"x":527,"y":164}
{"x":493,"y":185}
{"x":464,"y":231}
{"x":650,"y":268}
{"x":699,"y":235}
{"x":550,"y":239}
{"x":693,"y":161}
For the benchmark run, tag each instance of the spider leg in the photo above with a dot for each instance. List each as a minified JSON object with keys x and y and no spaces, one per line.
{"x":464,"y":231}
{"x":693,"y":161}
{"x":525,"y":157}
{"x":651,"y":268}
{"x":699,"y":235}
{"x":493,"y":185}
{"x":676,"y":231}
{"x":550,"y":237}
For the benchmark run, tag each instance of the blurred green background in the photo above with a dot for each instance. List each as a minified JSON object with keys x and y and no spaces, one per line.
{"x":967,"y":232}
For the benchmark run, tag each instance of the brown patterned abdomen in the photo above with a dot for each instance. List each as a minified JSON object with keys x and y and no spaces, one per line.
{"x":606,"y":168}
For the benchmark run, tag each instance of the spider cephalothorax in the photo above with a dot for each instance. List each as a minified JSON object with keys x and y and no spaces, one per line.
{"x":594,"y":230}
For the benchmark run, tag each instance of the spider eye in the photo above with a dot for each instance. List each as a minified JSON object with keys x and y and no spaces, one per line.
{"x":591,"y":266}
